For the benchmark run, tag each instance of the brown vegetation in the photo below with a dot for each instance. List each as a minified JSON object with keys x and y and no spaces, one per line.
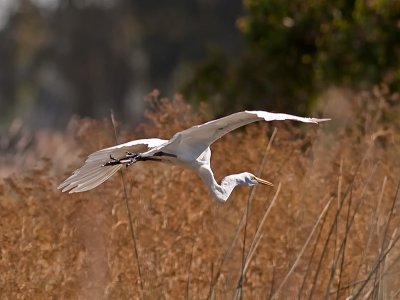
{"x":79,"y":246}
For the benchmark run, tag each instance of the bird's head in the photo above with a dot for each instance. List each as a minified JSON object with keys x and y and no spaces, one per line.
{"x":250,"y":179}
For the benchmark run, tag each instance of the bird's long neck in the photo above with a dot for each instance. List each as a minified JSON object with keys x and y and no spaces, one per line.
{"x":221,"y":192}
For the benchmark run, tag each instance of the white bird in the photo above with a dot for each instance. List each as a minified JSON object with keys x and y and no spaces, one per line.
{"x":189,"y":148}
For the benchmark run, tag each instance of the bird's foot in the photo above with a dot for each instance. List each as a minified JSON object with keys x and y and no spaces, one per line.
{"x":131,"y":158}
{"x":131,"y":155}
{"x":113,"y":161}
{"x":130,"y":162}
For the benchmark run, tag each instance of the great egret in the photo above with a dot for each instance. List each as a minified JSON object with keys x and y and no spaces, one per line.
{"x":189,"y":148}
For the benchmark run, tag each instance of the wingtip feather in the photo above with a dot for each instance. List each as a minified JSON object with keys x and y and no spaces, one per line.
{"x":322,"y":120}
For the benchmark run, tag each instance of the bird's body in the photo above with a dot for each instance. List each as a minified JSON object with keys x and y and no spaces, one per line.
{"x":189,"y":148}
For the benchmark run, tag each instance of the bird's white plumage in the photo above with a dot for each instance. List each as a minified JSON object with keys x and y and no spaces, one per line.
{"x":91,"y":174}
{"x":200,"y":137}
{"x":189,"y":148}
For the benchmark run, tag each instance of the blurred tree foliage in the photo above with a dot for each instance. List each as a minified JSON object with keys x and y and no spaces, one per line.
{"x":296,"y":48}
{"x":85,"y":57}
{"x":71,"y":59}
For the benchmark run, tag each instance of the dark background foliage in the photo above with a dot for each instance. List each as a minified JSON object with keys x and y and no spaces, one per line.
{"x":296,"y":49}
{"x":64,"y":57}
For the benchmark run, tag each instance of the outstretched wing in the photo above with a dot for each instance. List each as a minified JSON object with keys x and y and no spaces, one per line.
{"x":202,"y":136}
{"x":92,"y":174}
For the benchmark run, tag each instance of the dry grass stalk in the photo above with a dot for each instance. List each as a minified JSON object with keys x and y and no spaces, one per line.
{"x":247,"y":212}
{"x":371,"y":225}
{"x":254,"y":243}
{"x":276,"y":295}
{"x":130,"y":218}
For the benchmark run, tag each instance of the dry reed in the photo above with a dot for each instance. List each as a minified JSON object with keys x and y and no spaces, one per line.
{"x":55,"y":245}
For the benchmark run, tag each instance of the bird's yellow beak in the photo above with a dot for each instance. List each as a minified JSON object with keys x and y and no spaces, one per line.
{"x":262,"y":181}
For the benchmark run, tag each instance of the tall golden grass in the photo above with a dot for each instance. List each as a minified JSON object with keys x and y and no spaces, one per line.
{"x":327,"y":230}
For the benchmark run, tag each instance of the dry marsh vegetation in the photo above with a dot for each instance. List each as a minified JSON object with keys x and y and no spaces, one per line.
{"x":327,"y":230}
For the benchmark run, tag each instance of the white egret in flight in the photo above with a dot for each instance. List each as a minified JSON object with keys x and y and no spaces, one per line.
{"x":189,"y":148}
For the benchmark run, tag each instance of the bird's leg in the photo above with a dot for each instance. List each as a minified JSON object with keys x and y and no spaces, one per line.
{"x":130,"y":158}
{"x":160,"y":153}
